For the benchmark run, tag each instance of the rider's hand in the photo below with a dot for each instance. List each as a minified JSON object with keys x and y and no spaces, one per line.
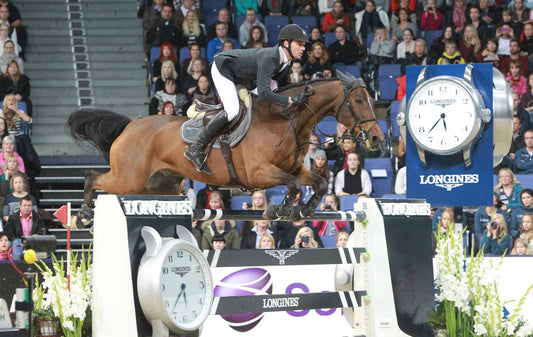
{"x":299,"y":99}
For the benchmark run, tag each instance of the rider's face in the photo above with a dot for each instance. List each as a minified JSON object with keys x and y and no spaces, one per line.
{"x":297,"y":49}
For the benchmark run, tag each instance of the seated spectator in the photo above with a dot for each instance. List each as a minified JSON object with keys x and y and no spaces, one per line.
{"x":447,"y":220}
{"x":8,"y":150}
{"x":474,"y":19}
{"x":335,"y":17}
{"x":244,"y":5}
{"x":274,"y":7}
{"x":398,"y":30}
{"x":181,"y":10}
{"x":431,"y":18}
{"x":296,"y":72}
{"x":396,"y":5}
{"x":459,"y":15}
{"x":381,"y":52}
{"x":191,"y":78}
{"x":167,"y":110}
{"x":340,"y":153}
{"x":370,"y":20}
{"x":342,"y":239}
{"x":451,"y":55}
{"x":19,"y":186}
{"x":526,"y":196}
{"x":194,"y":51}
{"x":314,"y":147}
{"x":406,"y":47}
{"x":504,"y":34}
{"x":304,"y":239}
{"x":259,"y":202}
{"x":168,"y":71}
{"x":25,"y":221}
{"x":222,"y":227}
{"x":252,"y":238}
{"x":10,"y":55}
{"x":218,"y":199}
{"x":526,"y":101}
{"x":204,"y":91}
{"x":4,"y":246}
{"x":355,"y":179}
{"x":345,"y":51}
{"x":4,"y":37}
{"x":520,"y":14}
{"x":437,"y":47}
{"x":521,"y":113}
{"x":267,"y":242}
{"x":10,"y":15}
{"x":508,"y":189}
{"x":470,"y":44}
{"x":526,"y":44}
{"x":518,"y":139}
{"x":223,"y":16}
{"x":330,"y":227}
{"x":304,"y":8}
{"x":505,"y":64}
{"x":321,"y":168}
{"x":215,"y":46}
{"x":169,"y":94}
{"x":164,"y":29}
{"x":483,"y":216}
{"x":13,"y":115}
{"x":151,"y":15}
{"x":490,"y":53}
{"x":14,"y":82}
{"x":256,"y":39}
{"x":193,"y":30}
{"x":251,"y":21}
{"x":287,"y":231}
{"x":526,"y":229}
{"x":318,"y":60}
{"x":517,"y":81}
{"x":166,"y":53}
{"x":496,"y":240}
{"x":521,"y":248}
{"x":218,"y":242}
{"x":488,"y":13}
{"x":314,"y":36}
{"x":420,"y":55}
{"x":524,"y":156}
{"x":10,"y":169}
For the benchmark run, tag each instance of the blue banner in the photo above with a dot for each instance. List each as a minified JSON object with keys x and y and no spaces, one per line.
{"x":446,"y":180}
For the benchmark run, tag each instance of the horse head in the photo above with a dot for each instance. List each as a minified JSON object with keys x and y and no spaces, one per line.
{"x":357,"y":113}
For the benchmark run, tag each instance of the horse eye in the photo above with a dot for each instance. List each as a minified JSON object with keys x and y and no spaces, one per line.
{"x":358,"y":101}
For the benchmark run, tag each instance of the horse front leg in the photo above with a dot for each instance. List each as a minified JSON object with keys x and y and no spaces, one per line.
{"x":320,"y":187}
{"x":286,"y":208}
{"x":86,"y":213}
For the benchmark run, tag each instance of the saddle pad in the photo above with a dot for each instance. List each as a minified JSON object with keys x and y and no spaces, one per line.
{"x":190,"y":129}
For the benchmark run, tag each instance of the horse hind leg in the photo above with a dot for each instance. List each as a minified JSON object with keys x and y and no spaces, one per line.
{"x":165,"y":181}
{"x":320,"y":187}
{"x":286,"y":207}
{"x":86,"y":213}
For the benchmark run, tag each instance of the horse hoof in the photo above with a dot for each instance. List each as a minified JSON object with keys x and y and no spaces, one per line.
{"x":82,"y":222}
{"x":307,"y":212}
{"x":271,"y":213}
{"x":296,"y":213}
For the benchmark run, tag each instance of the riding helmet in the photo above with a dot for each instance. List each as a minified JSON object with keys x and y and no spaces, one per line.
{"x":292,"y":32}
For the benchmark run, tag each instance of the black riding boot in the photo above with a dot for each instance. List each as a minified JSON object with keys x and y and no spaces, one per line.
{"x":195,"y":151}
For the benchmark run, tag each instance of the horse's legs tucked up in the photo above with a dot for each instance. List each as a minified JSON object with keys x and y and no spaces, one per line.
{"x":85,"y":214}
{"x":320,"y":187}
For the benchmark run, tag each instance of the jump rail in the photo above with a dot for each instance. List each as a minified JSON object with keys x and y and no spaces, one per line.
{"x":250,"y":215}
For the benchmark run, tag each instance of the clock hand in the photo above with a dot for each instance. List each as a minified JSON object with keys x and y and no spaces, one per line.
{"x":177,"y":299}
{"x":444,"y":121}
{"x":434,"y":125}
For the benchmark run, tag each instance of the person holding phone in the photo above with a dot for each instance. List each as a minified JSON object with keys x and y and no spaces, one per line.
{"x":496,"y":240}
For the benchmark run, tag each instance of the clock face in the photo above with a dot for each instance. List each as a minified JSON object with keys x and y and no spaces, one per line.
{"x":185,"y":289}
{"x":442,"y":116}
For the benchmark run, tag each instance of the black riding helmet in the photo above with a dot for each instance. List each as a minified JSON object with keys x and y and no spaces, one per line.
{"x":291,"y":33}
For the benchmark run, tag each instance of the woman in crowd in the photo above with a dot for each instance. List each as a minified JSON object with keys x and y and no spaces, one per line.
{"x":398,"y":31}
{"x":406,"y":47}
{"x":526,"y":196}
{"x":169,"y":94}
{"x":18,"y":84}
{"x":256,"y":38}
{"x":304,"y":239}
{"x":194,"y":51}
{"x":252,"y":238}
{"x":382,"y":49}
{"x":8,"y":150}
{"x":191,"y":78}
{"x":459,"y":15}
{"x":4,"y":246}
{"x":490,"y":53}
{"x":10,"y":169}
{"x":192,"y":30}
{"x":168,"y":109}
{"x":342,"y":239}
{"x":526,"y":101}
{"x":19,"y":186}
{"x":508,"y":189}
{"x":470,"y":45}
{"x":521,"y":248}
{"x":13,"y":115}
{"x":329,"y":227}
{"x":526,"y":43}
{"x":431,"y":18}
{"x":267,"y":241}
{"x":321,"y":168}
{"x":420,"y":54}
{"x":496,"y":240}
{"x":224,"y":228}
{"x":9,"y":55}
{"x":526,"y":229}
{"x":318,"y":60}
{"x":259,"y":202}
{"x":437,"y":46}
{"x":447,"y":221}
{"x":483,"y":215}
{"x":4,"y":37}
{"x":204,"y":91}
{"x":168,"y":71}
{"x":166,"y":53}
{"x":355,"y":179}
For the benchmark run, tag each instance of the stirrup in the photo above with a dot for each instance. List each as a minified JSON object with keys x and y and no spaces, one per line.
{"x":201,"y":164}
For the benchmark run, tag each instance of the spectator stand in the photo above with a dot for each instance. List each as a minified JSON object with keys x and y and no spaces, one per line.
{"x":388,"y":84}
{"x":306,"y":22}
{"x":382,"y":174}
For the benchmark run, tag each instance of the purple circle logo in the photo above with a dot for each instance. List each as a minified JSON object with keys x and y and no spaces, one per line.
{"x":245,"y":282}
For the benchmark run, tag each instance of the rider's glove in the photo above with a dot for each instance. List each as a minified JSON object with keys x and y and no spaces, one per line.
{"x":299,"y":99}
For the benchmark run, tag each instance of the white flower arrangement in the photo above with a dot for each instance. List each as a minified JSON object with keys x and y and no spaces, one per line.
{"x":70,"y":305}
{"x":468,"y":294}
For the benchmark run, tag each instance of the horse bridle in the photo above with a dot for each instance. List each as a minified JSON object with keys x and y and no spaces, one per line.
{"x":362,"y":136}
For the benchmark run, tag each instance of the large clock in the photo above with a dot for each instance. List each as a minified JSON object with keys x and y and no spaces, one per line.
{"x":446,"y":115}
{"x":174,"y":283}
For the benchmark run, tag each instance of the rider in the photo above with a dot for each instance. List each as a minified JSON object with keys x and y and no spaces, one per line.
{"x":242,"y":66}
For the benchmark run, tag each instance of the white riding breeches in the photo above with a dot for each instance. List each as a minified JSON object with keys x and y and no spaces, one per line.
{"x":227,"y":92}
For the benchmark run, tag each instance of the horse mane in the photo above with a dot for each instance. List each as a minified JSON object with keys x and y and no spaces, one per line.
{"x":305,"y":83}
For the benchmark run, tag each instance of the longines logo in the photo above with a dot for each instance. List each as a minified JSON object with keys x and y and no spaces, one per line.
{"x":157,"y":207}
{"x":281,"y":255}
{"x":443,"y":102}
{"x":449,"y":181}
{"x":283,"y":302}
{"x":405,"y":209}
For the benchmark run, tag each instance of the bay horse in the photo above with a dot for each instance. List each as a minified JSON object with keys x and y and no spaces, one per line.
{"x":146,"y":154}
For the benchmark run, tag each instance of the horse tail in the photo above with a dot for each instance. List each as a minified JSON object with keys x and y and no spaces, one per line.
{"x":97,"y":126}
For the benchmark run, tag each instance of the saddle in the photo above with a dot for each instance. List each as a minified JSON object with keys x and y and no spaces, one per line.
{"x":201,"y":113}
